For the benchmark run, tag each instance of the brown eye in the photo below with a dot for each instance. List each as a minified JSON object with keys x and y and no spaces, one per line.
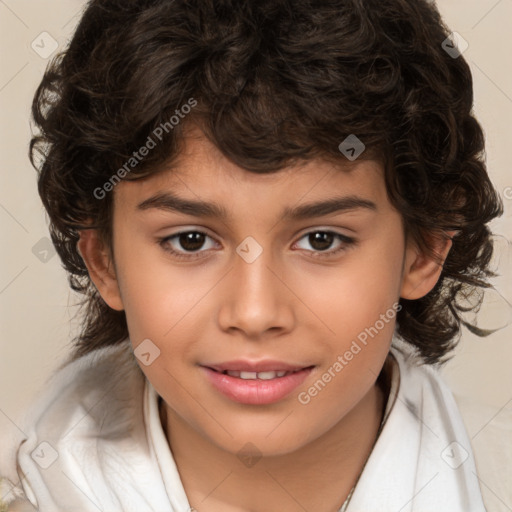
{"x":186,"y":244}
{"x":321,"y":241}
{"x":191,"y":241}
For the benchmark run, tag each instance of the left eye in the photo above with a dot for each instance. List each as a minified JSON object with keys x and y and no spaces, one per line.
{"x":321,"y":241}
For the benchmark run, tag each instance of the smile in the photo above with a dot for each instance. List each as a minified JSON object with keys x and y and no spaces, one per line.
{"x":256,"y":387}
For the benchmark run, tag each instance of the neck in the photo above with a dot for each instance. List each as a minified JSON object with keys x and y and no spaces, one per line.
{"x":318,"y":476}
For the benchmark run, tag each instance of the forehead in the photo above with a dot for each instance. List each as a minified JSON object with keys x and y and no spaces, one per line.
{"x":202,"y":172}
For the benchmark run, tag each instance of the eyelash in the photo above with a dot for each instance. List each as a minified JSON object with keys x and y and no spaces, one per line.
{"x":347,"y":242}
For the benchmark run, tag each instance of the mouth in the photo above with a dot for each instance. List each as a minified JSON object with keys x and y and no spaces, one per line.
{"x":256,"y":383}
{"x":265,"y":375}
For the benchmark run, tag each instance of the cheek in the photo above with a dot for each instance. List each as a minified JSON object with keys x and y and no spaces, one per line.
{"x":357,"y":305}
{"x":352,"y":296}
{"x":158,"y":296}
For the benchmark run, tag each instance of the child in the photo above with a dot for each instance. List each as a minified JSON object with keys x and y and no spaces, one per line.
{"x":275,"y":211}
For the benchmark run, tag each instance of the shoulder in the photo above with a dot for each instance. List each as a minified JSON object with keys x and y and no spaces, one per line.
{"x":488,"y":428}
{"x":94,"y":385}
{"x":490,"y":432}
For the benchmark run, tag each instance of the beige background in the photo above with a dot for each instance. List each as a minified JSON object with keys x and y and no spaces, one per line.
{"x":36,"y":320}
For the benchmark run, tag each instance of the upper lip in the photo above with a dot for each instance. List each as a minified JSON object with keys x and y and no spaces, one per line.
{"x":266,"y":365}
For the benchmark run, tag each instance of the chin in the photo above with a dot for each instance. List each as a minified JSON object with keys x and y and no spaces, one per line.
{"x":262,"y":443}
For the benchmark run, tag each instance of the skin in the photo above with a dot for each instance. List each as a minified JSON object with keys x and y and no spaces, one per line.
{"x":294,"y":303}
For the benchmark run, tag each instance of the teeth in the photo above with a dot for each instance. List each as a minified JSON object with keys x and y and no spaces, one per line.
{"x":257,"y":375}
{"x":269,"y":375}
{"x":248,"y":375}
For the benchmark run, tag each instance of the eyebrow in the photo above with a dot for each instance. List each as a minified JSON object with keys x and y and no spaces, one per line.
{"x":171,"y":202}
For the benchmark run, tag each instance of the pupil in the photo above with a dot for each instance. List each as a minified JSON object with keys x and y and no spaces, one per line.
{"x":191,"y":241}
{"x":320,"y":240}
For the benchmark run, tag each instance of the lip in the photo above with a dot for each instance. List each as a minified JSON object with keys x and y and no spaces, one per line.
{"x":256,"y":391}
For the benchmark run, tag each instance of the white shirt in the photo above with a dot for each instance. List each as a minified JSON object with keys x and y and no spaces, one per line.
{"x":94,"y":441}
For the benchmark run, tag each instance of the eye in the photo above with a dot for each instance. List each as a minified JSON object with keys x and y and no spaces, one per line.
{"x":321,"y":241}
{"x":185,"y":244}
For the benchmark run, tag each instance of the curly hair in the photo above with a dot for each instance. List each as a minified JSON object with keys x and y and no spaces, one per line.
{"x":275,"y":82}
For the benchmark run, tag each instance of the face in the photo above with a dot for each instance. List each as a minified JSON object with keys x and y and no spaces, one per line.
{"x":300,"y":268}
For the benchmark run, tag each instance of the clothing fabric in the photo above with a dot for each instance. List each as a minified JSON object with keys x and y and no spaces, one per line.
{"x":93,"y":440}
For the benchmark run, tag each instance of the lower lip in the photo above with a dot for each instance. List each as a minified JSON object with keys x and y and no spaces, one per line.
{"x":256,"y":391}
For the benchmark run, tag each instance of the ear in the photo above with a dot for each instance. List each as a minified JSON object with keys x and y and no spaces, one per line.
{"x":100,"y":266}
{"x":421,"y":272}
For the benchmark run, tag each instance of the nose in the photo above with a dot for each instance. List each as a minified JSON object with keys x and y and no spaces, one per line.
{"x":256,"y":300}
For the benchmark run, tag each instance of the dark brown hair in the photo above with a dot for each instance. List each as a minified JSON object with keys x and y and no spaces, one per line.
{"x":275,"y":82}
